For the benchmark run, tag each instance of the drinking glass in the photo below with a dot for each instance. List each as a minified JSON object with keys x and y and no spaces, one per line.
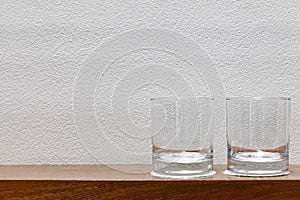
{"x":258,"y":136}
{"x":182,"y":130}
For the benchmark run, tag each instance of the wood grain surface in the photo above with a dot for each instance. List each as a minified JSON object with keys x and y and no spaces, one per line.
{"x":100,"y":182}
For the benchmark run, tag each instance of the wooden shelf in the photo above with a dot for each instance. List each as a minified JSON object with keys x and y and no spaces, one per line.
{"x":90,"y":182}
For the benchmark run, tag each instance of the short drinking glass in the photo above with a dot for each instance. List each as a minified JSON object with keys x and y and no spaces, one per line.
{"x":182,"y":137}
{"x":258,"y":136}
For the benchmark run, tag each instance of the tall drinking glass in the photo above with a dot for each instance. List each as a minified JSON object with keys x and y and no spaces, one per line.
{"x":182,"y":137}
{"x":258,"y":136}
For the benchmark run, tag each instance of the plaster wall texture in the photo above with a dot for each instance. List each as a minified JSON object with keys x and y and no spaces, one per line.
{"x":45,"y":45}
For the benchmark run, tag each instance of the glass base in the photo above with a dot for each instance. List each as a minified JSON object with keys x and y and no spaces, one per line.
{"x":232,"y":173}
{"x":182,"y":176}
{"x":257,"y":164}
{"x":182,"y":165}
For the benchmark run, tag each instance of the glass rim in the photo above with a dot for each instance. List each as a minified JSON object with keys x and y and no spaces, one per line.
{"x":176,"y":97}
{"x":259,"y":98}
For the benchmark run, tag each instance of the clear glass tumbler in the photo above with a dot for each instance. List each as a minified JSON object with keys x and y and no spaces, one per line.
{"x":182,"y":137}
{"x":258,"y":136}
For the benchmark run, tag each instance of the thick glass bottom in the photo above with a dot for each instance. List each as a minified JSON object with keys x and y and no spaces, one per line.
{"x":182,"y":165}
{"x":257,"y":164}
{"x":182,"y":176}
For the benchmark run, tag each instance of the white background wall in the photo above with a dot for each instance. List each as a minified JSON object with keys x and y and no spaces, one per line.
{"x":255,"y":45}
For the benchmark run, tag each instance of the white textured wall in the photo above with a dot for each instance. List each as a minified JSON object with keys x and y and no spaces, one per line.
{"x":254,"y":45}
